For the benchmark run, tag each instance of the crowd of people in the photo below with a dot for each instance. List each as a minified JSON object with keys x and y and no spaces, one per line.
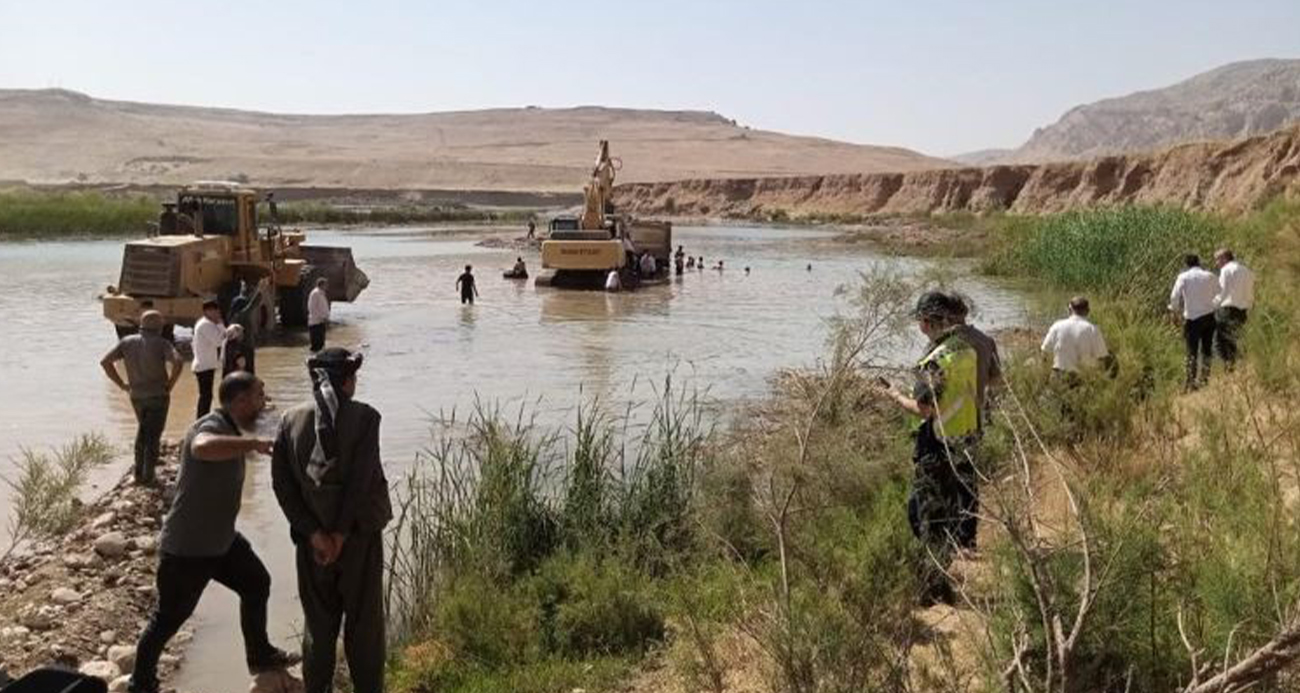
{"x":960,"y":370}
{"x":327,"y":476}
{"x":329,"y":481}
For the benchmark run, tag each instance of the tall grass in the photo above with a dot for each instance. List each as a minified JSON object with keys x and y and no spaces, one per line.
{"x":522,"y":546}
{"x":1132,"y":252}
{"x":33,"y":214}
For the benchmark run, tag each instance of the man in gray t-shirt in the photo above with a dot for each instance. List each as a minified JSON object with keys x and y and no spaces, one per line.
{"x":146,"y":356}
{"x":199,"y":542}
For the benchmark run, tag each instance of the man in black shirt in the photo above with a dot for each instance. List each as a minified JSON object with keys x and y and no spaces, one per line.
{"x":465,"y":282}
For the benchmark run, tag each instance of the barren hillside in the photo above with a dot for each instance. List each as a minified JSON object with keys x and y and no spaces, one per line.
{"x":1220,"y":176}
{"x":1235,"y":100}
{"x":52,"y":136}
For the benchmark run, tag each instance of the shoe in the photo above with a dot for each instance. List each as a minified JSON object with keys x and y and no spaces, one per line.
{"x":276,"y":659}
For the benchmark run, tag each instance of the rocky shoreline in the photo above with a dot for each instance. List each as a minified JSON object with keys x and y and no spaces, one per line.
{"x":81,"y":602}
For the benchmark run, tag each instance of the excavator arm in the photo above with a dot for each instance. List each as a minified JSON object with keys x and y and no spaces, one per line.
{"x":600,"y":191}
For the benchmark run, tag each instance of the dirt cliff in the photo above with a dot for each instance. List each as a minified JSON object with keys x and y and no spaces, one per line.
{"x":1219,"y":176}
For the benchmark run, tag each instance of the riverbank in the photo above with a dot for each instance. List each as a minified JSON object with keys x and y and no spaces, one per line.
{"x":1116,"y":540}
{"x":1224,"y":177}
{"x":81,"y":601}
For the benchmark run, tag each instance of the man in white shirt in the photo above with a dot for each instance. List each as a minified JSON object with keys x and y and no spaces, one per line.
{"x":1074,"y":342}
{"x":1193,"y":299}
{"x":1236,"y":297}
{"x":209,"y":336}
{"x":318,"y":314}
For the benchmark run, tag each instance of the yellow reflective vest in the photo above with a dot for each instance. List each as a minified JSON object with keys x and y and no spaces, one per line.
{"x":947,"y":377}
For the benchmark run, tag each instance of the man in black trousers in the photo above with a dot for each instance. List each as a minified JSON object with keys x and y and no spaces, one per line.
{"x":199,"y":542}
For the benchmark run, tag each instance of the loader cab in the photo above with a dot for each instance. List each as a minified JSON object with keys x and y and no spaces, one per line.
{"x":223,"y":209}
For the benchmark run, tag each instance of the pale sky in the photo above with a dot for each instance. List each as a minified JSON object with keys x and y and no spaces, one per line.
{"x":939,"y":76}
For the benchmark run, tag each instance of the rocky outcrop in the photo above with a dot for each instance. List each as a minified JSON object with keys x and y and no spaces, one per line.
{"x":1236,"y":100}
{"x":1225,"y":177}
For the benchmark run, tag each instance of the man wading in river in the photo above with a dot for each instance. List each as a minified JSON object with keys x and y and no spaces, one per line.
{"x":944,"y":398}
{"x":146,"y":356}
{"x":330,"y":482}
{"x":199,"y":542}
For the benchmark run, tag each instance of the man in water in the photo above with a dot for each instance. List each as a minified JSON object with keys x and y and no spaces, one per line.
{"x":943,"y":399}
{"x":146,"y":355}
{"x":209,"y":336}
{"x":238,"y":354}
{"x":520,"y":269}
{"x":532,"y":230}
{"x":330,"y":483}
{"x":318,"y":314}
{"x":648,"y":266}
{"x":199,"y":542}
{"x":465,"y":283}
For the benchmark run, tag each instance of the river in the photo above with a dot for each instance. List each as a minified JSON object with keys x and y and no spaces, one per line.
{"x":723,"y":332}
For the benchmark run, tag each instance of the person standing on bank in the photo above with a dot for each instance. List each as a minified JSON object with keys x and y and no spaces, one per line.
{"x":330,"y":483}
{"x":944,"y":400}
{"x":199,"y":543}
{"x":209,"y":336}
{"x":1236,"y":298}
{"x":318,"y":314}
{"x":1074,"y":343}
{"x":146,"y":355}
{"x":1193,"y":299}
{"x":465,"y":284}
{"x":988,"y":376}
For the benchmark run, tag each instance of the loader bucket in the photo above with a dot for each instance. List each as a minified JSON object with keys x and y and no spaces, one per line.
{"x":346,"y":280}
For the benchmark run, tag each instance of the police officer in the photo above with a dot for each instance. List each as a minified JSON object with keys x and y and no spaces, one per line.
{"x":328,"y":478}
{"x":944,"y":399}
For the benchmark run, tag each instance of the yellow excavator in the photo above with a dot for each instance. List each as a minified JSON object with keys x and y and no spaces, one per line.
{"x":581,"y":250}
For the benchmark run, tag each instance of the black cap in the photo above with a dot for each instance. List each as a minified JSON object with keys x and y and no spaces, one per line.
{"x":336,"y":360}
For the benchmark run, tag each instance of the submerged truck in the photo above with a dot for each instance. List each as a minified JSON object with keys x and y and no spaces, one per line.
{"x":209,"y":246}
{"x":580,"y":251}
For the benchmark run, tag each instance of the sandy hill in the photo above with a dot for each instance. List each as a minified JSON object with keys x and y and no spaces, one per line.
{"x":1235,"y":100}
{"x":56,"y":136}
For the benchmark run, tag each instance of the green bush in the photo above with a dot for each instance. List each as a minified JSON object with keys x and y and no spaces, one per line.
{"x":595,"y":606}
{"x":484,"y":624}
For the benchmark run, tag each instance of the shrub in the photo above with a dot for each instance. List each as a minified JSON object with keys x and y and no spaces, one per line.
{"x":45,"y":503}
{"x":596,"y":606}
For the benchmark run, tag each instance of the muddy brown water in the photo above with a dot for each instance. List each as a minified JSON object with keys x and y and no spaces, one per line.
{"x":721,"y":332}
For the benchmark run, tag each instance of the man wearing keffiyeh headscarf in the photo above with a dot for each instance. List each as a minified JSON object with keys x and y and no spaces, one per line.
{"x":329,"y":480}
